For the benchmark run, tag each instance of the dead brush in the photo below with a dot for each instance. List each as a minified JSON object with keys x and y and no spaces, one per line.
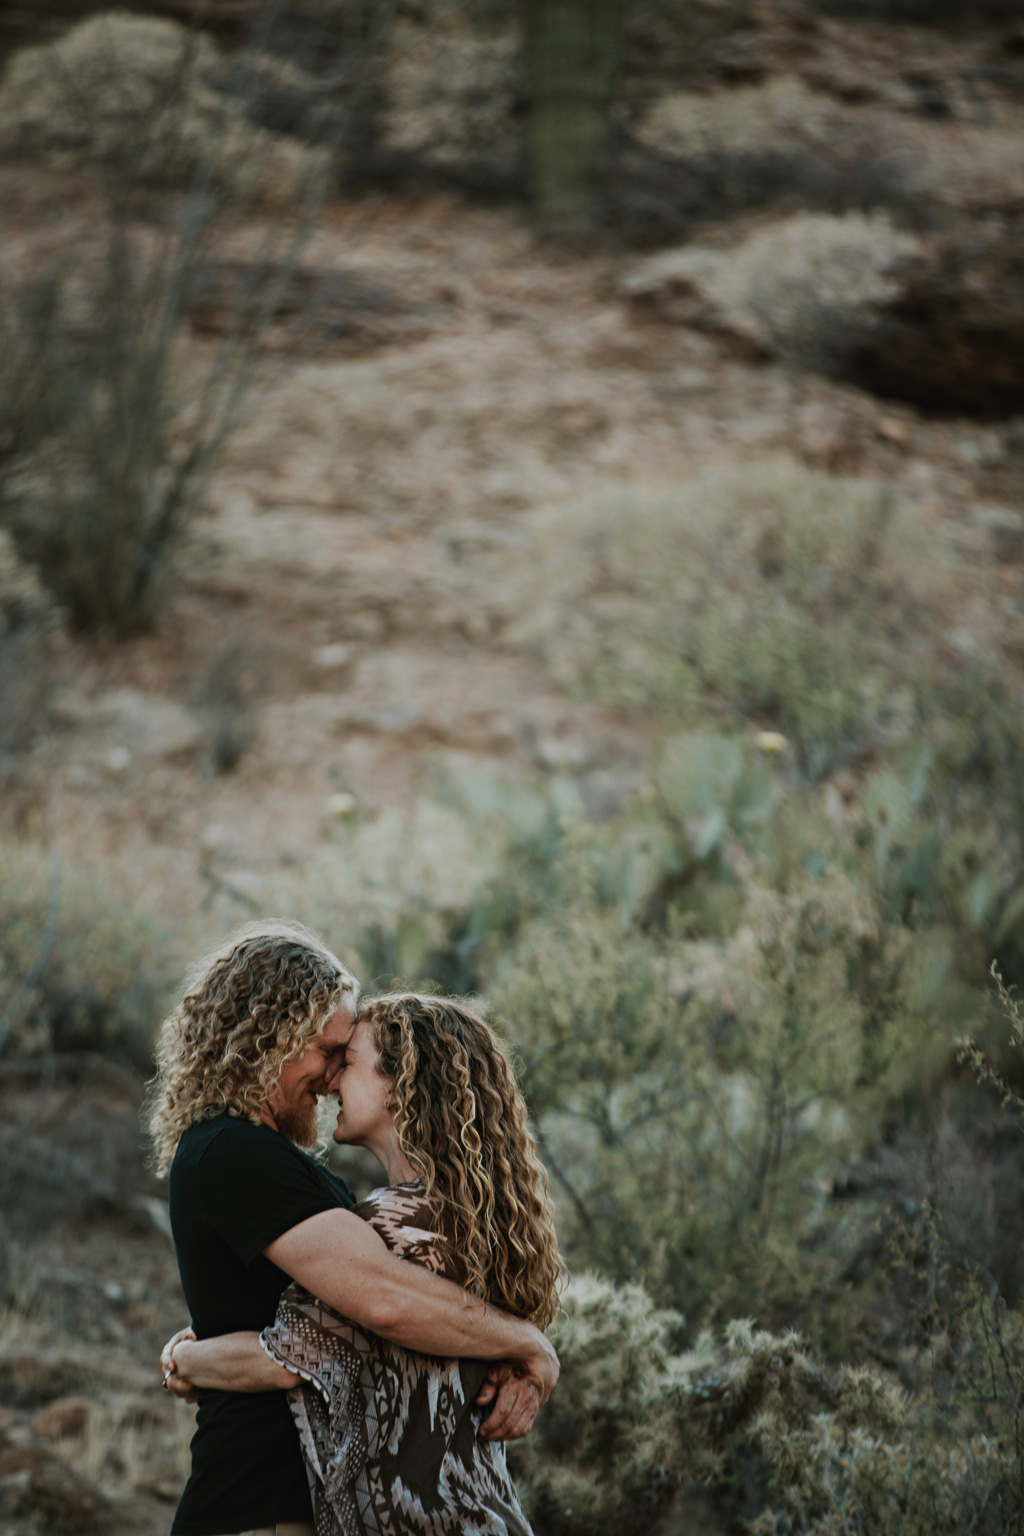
{"x":109,"y":429}
{"x":28,"y":621}
{"x":224,"y":701}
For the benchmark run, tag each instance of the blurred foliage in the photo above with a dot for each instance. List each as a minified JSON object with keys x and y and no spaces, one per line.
{"x":735,"y":1004}
{"x":78,"y":970}
{"x":702,"y":1031}
{"x":109,"y":427}
{"x":718,"y":998}
{"x":833,"y":1453}
{"x":27,"y":626}
{"x":818,"y":605}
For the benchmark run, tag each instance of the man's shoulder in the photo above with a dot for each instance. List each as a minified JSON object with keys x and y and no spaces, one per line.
{"x":249,"y":1182}
{"x":226,"y":1143}
{"x":225,"y":1138}
{"x":201,"y":1135}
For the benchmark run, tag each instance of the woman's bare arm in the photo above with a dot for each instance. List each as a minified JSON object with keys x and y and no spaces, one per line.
{"x":232,"y":1362}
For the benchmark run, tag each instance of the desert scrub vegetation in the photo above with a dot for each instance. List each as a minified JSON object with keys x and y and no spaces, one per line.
{"x":812,"y":603}
{"x":78,"y":970}
{"x":790,"y":1445}
{"x":719,"y":999}
{"x":110,"y":423}
{"x":28,"y":622}
{"x":696,"y":1065}
{"x":736,"y":1004}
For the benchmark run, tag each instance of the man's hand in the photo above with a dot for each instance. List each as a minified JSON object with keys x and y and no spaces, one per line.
{"x":173,"y":1381}
{"x":516,"y":1400}
{"x":518,"y":1390}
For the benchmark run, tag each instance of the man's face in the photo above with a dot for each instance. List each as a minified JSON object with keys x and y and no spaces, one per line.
{"x":291,"y":1108}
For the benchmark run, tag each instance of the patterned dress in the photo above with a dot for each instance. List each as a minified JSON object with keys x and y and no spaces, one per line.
{"x":389,"y":1436}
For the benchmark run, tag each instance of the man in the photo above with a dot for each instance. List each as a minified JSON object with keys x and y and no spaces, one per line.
{"x":259,"y":1033}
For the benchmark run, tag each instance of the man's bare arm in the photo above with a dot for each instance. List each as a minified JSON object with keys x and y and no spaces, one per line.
{"x":341,"y":1259}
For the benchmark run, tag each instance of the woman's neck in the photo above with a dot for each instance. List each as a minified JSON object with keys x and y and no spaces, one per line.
{"x":393,"y":1160}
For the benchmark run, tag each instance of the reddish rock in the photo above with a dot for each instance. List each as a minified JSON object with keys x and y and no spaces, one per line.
{"x":64,"y":1416}
{"x":19,"y":1458}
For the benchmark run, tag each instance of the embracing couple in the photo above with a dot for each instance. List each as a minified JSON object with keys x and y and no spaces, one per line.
{"x":357,"y":1365}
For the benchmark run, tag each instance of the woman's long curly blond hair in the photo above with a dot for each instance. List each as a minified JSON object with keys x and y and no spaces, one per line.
{"x":249,"y":1007}
{"x":461,"y":1123}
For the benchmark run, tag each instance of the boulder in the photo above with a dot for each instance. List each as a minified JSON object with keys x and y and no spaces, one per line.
{"x":785,"y":289}
{"x":64,"y":1417}
{"x":938,"y":321}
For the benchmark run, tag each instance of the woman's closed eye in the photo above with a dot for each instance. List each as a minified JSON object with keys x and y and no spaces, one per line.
{"x":335,"y":1075}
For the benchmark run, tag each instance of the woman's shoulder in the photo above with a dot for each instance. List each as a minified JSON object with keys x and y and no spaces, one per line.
{"x":402,"y":1216}
{"x":396,"y":1205}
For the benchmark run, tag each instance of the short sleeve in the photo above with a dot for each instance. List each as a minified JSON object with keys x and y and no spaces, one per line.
{"x":256,"y":1185}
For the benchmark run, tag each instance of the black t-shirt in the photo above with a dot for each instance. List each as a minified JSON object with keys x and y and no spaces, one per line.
{"x":234,"y":1188}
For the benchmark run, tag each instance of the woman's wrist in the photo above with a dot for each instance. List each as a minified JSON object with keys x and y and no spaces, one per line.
{"x":180,"y":1355}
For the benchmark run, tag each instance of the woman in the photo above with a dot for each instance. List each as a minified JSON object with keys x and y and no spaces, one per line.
{"x":389,"y":1436}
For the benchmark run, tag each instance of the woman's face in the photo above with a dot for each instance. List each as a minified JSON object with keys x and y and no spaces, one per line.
{"x":364,"y":1118}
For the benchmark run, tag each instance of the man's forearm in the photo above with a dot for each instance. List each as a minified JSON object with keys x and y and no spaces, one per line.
{"x":352,"y":1270}
{"x":424,"y":1312}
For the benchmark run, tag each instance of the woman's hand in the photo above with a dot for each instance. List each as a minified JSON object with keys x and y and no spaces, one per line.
{"x":230,"y":1362}
{"x":174,"y":1380}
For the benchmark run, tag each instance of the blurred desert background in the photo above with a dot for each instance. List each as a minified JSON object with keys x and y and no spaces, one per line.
{"x":537,"y":492}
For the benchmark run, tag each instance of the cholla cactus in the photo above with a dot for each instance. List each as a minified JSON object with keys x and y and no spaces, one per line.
{"x":633,"y":1421}
{"x":822,"y":1453}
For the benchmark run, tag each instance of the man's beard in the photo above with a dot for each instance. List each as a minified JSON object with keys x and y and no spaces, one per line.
{"x":297,"y":1123}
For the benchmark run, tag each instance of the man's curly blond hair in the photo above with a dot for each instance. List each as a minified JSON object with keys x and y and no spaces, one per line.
{"x":249,"y":1007}
{"x":462,"y":1124}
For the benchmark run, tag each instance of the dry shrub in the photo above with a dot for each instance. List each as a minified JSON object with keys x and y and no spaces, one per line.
{"x":635,"y":1420}
{"x":813,"y":603}
{"x":795,"y":287}
{"x":109,"y":436}
{"x":692,"y":1089}
{"x":145,"y":95}
{"x":787,"y":1445}
{"x":27,"y":625}
{"x":77,"y":970}
{"x":956,"y":1464}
